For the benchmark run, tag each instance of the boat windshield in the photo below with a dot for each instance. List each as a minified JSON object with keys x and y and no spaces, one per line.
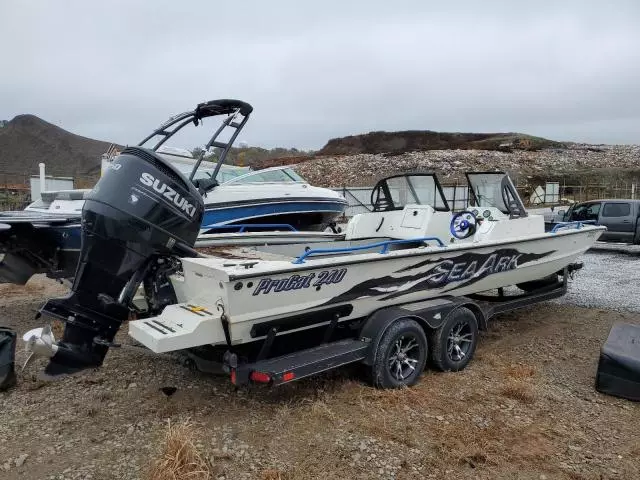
{"x":226,"y":173}
{"x":393,"y":193}
{"x":269,"y":175}
{"x":495,"y":189}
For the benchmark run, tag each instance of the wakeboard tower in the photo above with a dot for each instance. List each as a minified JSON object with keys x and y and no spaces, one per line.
{"x":402,"y":285}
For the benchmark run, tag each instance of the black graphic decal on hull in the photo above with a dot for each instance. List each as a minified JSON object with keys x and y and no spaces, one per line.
{"x":466,"y":268}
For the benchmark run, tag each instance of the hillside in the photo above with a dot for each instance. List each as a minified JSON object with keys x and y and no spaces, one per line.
{"x":357,"y":160}
{"x":420,"y":140}
{"x":28,"y":140}
{"x":587,"y":171}
{"x":258,"y":157}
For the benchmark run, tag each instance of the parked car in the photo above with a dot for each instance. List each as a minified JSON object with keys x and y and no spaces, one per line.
{"x":621,"y":217}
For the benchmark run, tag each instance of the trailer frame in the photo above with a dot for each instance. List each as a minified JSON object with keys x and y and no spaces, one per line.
{"x":363,"y":346}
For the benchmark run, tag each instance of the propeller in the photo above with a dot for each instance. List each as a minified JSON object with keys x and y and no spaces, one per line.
{"x":39,"y":342}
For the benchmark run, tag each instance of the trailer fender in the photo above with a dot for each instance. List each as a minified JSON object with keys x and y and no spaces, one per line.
{"x":431,"y":314}
{"x":375,"y":326}
{"x":481,"y":317}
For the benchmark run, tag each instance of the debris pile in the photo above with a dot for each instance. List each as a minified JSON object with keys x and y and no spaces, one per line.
{"x":574,"y":160}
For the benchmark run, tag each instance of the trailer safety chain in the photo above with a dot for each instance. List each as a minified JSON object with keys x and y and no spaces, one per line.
{"x":573,"y":268}
{"x":220,"y":305}
{"x":224,"y":320}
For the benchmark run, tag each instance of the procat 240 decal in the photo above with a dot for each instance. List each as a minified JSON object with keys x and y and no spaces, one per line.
{"x":296,"y":282}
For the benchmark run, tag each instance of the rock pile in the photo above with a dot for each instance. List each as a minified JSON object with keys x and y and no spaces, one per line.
{"x":365,"y":169}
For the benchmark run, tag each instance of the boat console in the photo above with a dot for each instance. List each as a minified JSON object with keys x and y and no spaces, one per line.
{"x":411,"y":206}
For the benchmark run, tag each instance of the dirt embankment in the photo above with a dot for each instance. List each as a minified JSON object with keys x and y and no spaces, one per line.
{"x":420,"y":140}
{"x":574,"y":165}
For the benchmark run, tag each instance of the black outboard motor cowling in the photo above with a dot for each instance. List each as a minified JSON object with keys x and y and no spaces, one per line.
{"x":142,"y":209}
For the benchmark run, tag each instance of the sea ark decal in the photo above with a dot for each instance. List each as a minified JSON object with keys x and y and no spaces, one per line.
{"x":461,"y":270}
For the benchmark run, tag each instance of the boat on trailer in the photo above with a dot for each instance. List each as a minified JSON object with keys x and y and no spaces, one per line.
{"x":45,"y":237}
{"x":402,"y":285}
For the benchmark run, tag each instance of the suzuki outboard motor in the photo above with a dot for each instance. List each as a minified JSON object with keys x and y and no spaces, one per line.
{"x":141,"y":212}
{"x":141,"y":217}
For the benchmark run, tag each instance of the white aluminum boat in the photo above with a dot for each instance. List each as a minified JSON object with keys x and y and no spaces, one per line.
{"x":408,"y":270}
{"x":404,"y":252}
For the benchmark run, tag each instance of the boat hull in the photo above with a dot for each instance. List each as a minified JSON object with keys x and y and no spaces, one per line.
{"x":301,"y":214}
{"x":354,"y":286}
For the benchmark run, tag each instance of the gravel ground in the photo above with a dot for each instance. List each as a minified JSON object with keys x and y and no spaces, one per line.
{"x":609,"y":279}
{"x":525,"y":408}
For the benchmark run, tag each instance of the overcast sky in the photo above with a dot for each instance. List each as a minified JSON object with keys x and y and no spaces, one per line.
{"x":114,"y":70}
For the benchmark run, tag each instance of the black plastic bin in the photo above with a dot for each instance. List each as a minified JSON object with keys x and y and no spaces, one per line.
{"x":619,"y":365}
{"x":7,"y":358}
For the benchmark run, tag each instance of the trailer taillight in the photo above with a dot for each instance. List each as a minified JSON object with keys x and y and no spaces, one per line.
{"x":287,"y":377}
{"x":260,"y":377}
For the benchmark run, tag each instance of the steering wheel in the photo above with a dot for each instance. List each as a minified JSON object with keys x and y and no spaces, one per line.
{"x":379,"y":200}
{"x":463,"y":225}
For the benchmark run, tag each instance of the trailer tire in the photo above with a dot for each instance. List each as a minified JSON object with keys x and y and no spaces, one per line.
{"x":534,"y":285}
{"x":400,"y":356}
{"x":636,"y":236}
{"x":460,"y":330}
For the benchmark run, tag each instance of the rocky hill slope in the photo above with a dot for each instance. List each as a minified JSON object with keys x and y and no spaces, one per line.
{"x":28,"y":140}
{"x":573,"y":164}
{"x":420,"y":140}
{"x":357,"y":160}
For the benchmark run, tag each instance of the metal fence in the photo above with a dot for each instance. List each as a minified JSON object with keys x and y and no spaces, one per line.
{"x":16,"y":196}
{"x":594,"y":191}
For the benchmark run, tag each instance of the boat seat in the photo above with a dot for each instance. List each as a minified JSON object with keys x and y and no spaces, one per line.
{"x":413,"y":221}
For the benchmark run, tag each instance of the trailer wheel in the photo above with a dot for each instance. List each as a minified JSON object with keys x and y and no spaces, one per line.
{"x":636,"y":236}
{"x":401,"y":355}
{"x":454,"y":343}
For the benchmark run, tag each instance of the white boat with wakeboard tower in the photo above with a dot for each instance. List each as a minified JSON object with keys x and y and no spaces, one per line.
{"x":45,"y":237}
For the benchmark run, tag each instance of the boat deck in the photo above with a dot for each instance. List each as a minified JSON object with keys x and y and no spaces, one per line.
{"x":290,"y":252}
{"x":244,"y":253}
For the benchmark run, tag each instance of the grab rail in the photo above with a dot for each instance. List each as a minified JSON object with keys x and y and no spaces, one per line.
{"x":383,"y":250}
{"x":577,"y":225}
{"x":244,"y":226}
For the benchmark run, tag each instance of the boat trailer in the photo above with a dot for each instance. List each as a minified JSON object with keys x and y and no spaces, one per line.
{"x":367,"y":343}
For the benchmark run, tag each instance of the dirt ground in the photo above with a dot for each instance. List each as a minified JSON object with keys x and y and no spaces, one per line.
{"x":525,"y":408}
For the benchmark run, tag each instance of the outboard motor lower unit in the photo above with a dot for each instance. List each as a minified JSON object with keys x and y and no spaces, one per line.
{"x":141,"y":212}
